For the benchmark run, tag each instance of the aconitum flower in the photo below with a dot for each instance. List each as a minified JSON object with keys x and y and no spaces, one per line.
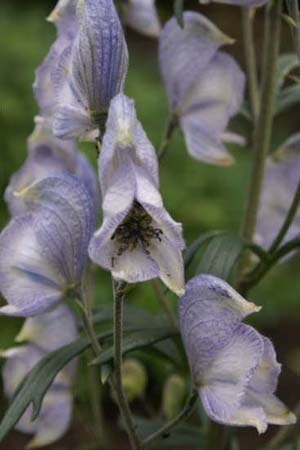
{"x":138,"y":239}
{"x":205,"y":86}
{"x":44,"y":333}
{"x":280,"y":183}
{"x":141,"y":15}
{"x":97,"y":72}
{"x":48,"y":155}
{"x":247,"y":3}
{"x":43,"y":252}
{"x":234,"y":367}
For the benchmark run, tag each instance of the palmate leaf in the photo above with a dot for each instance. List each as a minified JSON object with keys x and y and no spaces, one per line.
{"x":38,"y":381}
{"x":192,"y":249}
{"x":288,"y":97}
{"x":287,"y":62}
{"x":221,"y":254}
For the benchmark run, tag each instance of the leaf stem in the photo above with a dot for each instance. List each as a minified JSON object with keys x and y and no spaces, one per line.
{"x":183,"y":415}
{"x":248,"y":15}
{"x":119,"y":295}
{"x":168,"y":133}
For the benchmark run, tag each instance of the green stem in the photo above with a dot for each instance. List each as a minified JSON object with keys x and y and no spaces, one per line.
{"x":183,"y":415}
{"x":168,"y":133}
{"x":293,"y":7}
{"x":165,"y":303}
{"x":95,"y":399}
{"x":119,"y":294}
{"x":263,"y":131}
{"x":288,"y":221}
{"x":251,"y":66}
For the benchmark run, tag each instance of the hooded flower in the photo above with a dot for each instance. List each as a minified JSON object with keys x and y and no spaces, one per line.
{"x":44,"y":251}
{"x":234,"y":367}
{"x":48,"y":155}
{"x":280,"y":184}
{"x":97,"y":71}
{"x":204,"y":85}
{"x":141,"y":16}
{"x":45,"y":333}
{"x":247,"y":3}
{"x":138,"y":239}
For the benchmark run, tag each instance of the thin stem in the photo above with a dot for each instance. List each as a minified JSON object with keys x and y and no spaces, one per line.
{"x":293,"y":7}
{"x":119,"y":294}
{"x":88,"y":322}
{"x":183,"y":415}
{"x":165,"y":303}
{"x":288,"y":220}
{"x":95,"y":400}
{"x":168,"y":133}
{"x":263,"y":131}
{"x":248,"y":15}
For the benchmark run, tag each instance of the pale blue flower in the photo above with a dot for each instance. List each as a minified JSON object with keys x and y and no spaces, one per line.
{"x":205,"y":86}
{"x":234,"y":367}
{"x":97,"y":71}
{"x":47,"y":156}
{"x":142,"y":16}
{"x":282,"y":176}
{"x":43,"y":252}
{"x":44,"y":333}
{"x":138,"y":240}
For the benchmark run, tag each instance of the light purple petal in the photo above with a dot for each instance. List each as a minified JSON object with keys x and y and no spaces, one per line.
{"x":142,"y":16}
{"x":280,"y":183}
{"x":185,"y":53}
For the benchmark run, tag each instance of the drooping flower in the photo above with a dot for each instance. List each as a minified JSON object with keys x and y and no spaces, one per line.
{"x":43,"y":252}
{"x":138,"y":239}
{"x":246,"y":3}
{"x":233,"y":366}
{"x":45,"y":333}
{"x":205,"y":86}
{"x":282,"y":176}
{"x":141,"y":15}
{"x":47,"y":156}
{"x":98,"y":66}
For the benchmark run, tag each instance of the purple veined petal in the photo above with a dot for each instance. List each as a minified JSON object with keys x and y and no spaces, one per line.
{"x":247,"y":3}
{"x":185,"y":53}
{"x":280,"y":183}
{"x":98,"y":70}
{"x":142,"y":16}
{"x":124,"y":134}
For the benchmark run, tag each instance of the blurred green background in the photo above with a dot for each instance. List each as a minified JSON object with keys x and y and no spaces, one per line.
{"x":202,"y":197}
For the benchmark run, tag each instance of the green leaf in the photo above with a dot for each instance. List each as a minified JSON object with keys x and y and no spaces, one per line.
{"x":178,"y":11}
{"x":38,"y":381}
{"x":286,"y":64}
{"x":221,"y":254}
{"x":136,"y":340}
{"x":192,"y":249}
{"x":288,"y":97}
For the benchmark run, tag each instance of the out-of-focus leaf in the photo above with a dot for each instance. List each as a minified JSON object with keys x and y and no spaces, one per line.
{"x":221,"y":254}
{"x":180,"y":437}
{"x":192,"y":249}
{"x":137,"y":339}
{"x":288,"y":97}
{"x":178,"y":11}
{"x":286,"y":64}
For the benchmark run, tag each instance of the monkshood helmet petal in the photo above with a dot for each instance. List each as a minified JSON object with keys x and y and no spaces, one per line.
{"x":125,"y":134}
{"x":98,"y":70}
{"x":185,"y":52}
{"x":279,"y":187}
{"x":138,"y":239}
{"x":47,"y":156}
{"x":234,"y":367}
{"x":56,"y":412}
{"x":43,"y":253}
{"x":142,"y":16}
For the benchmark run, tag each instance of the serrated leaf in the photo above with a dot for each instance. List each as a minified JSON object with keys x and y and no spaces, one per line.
{"x":38,"y":381}
{"x":288,"y":97}
{"x":192,"y":249}
{"x":178,"y":11}
{"x":221,"y":254}
{"x":286,"y":64}
{"x":136,"y":340}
